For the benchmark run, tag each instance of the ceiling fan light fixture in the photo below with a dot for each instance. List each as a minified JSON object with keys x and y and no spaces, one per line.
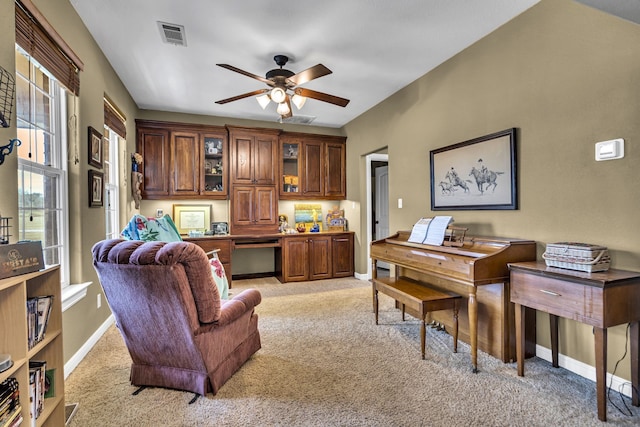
{"x":298,"y":101}
{"x":278,"y":95}
{"x":263,"y":100}
{"x":283,"y":109}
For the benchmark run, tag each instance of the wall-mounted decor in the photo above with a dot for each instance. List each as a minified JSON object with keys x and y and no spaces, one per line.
{"x":192,"y":218}
{"x":96,"y":188}
{"x":7,"y":93}
{"x":95,"y":148}
{"x":475,"y":174}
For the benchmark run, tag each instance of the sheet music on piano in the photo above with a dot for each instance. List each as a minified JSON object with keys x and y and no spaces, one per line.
{"x":430,"y":231}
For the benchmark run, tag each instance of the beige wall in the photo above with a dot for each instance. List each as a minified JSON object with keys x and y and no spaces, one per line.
{"x":566,"y":76}
{"x":86,"y":225}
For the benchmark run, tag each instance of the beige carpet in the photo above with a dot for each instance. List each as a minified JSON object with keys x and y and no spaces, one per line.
{"x":325,"y":363}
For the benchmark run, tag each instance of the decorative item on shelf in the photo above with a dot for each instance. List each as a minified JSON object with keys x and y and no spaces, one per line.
{"x":335,"y":219}
{"x":136,"y":178}
{"x":308,"y":214}
{"x":7,"y":93}
{"x":283,"y":223}
{"x":20,"y":258}
{"x":301,"y":228}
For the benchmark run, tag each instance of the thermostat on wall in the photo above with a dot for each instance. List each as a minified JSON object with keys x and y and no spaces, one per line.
{"x":609,"y":150}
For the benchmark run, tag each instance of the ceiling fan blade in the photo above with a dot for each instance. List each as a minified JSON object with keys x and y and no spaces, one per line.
{"x":246,"y":73}
{"x":244,"y":95}
{"x":342,"y":102}
{"x":309,"y":74}
{"x":290,"y":113}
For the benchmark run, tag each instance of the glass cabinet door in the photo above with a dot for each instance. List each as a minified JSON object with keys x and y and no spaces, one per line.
{"x":290,"y":151}
{"x":214,"y":166}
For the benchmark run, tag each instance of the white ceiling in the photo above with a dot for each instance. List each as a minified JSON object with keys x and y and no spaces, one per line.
{"x":373,"y":47}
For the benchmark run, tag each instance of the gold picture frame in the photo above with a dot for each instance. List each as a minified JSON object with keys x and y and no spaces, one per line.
{"x":192,"y":218}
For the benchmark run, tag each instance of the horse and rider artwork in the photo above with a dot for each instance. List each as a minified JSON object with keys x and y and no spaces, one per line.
{"x":482,"y":176}
{"x":476,"y":174}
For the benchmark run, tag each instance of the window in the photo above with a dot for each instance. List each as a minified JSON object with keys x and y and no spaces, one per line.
{"x":42,"y":167}
{"x":111,"y":185}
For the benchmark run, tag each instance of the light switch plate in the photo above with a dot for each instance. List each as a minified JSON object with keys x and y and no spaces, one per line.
{"x":609,"y":150}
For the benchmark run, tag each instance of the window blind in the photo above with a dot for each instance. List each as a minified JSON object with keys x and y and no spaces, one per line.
{"x":114,"y":119}
{"x":45,"y":46}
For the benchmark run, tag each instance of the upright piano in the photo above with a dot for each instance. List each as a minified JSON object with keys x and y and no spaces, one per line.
{"x":477,"y":270}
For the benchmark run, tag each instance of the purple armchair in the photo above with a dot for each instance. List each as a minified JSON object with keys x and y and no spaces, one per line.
{"x":178,"y":331}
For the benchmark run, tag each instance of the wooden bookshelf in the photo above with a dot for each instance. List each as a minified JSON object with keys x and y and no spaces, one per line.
{"x":14,"y":292}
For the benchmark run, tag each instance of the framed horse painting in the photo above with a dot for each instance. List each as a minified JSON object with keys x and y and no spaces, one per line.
{"x":475,"y":174}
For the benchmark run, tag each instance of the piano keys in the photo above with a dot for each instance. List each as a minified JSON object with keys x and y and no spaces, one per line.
{"x":478,"y":272}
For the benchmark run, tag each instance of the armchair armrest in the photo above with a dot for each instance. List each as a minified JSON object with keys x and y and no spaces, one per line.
{"x":238,"y":305}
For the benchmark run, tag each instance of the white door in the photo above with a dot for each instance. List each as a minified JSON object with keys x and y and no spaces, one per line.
{"x":382,"y":206}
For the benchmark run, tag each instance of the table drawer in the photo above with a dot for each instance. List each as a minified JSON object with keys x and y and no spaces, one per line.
{"x":559,"y":297}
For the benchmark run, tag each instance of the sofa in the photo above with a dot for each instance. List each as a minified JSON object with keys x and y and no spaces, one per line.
{"x":178,"y":331}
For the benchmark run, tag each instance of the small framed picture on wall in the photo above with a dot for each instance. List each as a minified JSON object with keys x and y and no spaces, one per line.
{"x":96,"y":189}
{"x":95,"y":148}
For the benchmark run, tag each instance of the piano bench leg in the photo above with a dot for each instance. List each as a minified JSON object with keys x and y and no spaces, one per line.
{"x":423,"y":336}
{"x":375,"y":304}
{"x":404,"y":312}
{"x":455,"y":327}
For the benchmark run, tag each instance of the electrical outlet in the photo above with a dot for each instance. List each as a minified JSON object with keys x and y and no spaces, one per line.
{"x":99,"y":300}
{"x":159,"y":213}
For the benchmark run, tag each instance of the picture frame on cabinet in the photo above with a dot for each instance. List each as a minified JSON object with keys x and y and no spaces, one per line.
{"x":191,"y":218}
{"x":479,"y":174}
{"x":96,"y":189}
{"x":95,"y":148}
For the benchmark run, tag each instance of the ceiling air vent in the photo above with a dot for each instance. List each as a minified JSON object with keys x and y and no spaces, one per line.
{"x":300,"y":120}
{"x":172,"y":33}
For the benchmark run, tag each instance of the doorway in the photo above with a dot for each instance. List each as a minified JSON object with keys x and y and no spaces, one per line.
{"x":377,"y":202}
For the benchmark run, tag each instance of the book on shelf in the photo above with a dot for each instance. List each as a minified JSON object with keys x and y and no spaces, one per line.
{"x":10,"y":408}
{"x":49,"y":383}
{"x":37,"y":372}
{"x":38,"y":313}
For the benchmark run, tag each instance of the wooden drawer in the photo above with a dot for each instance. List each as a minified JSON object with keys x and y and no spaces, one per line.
{"x":559,"y":297}
{"x":210,"y":244}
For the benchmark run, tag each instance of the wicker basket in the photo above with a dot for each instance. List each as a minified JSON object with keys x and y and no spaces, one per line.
{"x":577,"y":256}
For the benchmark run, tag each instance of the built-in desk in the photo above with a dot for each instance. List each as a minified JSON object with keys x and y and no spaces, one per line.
{"x":300,"y":256}
{"x":601,"y":299}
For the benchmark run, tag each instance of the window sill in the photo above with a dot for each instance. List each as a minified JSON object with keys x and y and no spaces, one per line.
{"x":73,"y":293}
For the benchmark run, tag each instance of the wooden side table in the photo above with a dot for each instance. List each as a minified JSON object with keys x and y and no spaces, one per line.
{"x":600,"y":299}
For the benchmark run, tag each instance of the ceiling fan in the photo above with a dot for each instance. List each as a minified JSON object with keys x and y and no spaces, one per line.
{"x":284,"y":87}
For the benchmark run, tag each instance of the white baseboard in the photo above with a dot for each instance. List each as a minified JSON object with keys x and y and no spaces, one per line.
{"x":362,"y":276}
{"x":584,"y":370}
{"x":87,"y":346}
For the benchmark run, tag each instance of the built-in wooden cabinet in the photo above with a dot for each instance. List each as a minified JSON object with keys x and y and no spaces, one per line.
{"x":312,"y":166}
{"x":253,"y":172}
{"x":313,"y":256}
{"x":253,"y":156}
{"x":254,"y":209}
{"x":14,"y":292}
{"x":182,"y":161}
{"x":342,"y":255}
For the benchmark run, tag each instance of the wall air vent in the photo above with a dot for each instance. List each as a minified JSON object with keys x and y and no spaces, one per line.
{"x":172,"y":33}
{"x":299,"y":120}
